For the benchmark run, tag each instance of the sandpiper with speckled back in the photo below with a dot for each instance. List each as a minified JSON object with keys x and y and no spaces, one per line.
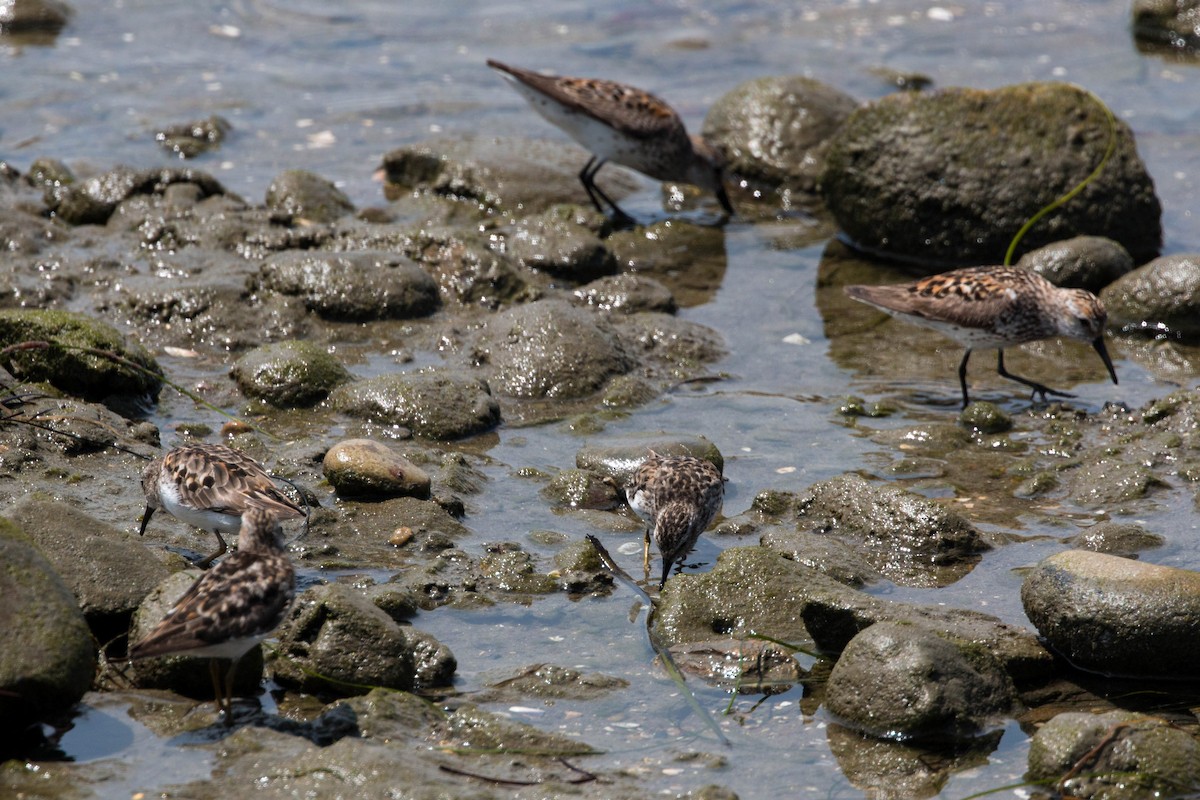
{"x":210,"y":486}
{"x":619,"y":123}
{"x":231,"y":608}
{"x":678,"y":496}
{"x":994,"y":308}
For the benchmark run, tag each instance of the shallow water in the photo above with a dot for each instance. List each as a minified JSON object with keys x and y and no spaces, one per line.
{"x":331,"y":91}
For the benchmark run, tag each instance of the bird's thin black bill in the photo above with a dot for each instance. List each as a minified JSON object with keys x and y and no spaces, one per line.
{"x":1103,"y":351}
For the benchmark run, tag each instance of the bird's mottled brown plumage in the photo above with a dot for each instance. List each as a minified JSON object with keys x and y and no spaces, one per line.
{"x":994,"y":307}
{"x":623,"y":124}
{"x":678,"y":496}
{"x":231,"y":607}
{"x":210,"y":486}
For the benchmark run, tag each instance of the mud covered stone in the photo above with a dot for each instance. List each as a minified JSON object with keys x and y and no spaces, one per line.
{"x":1162,"y":297}
{"x":552,"y":349}
{"x":1172,"y":25}
{"x":581,"y":488}
{"x":1128,"y":756}
{"x":627,"y":293}
{"x":336,"y":642}
{"x":1115,"y":615}
{"x":32,"y":17}
{"x":290,"y":374}
{"x":300,"y":195}
{"x":753,"y":589}
{"x":93,"y":201}
{"x":367,"y":468}
{"x":190,"y":139}
{"x":436,"y":405}
{"x":550,"y":682}
{"x":690,"y":260}
{"x":560,"y":242}
{"x":908,"y":538}
{"x":47,"y":661}
{"x":1084,"y":262}
{"x":187,"y":675}
{"x":915,"y":174}
{"x":352,"y":286}
{"x":90,"y":376}
{"x":906,"y":681}
{"x":107,"y":570}
{"x":498,"y":173}
{"x":775,"y":130}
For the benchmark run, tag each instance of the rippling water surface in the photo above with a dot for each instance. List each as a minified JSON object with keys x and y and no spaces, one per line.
{"x":330,"y":87}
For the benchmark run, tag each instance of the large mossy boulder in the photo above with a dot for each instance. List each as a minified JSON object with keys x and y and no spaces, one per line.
{"x":951,"y":176}
{"x":66,"y":364}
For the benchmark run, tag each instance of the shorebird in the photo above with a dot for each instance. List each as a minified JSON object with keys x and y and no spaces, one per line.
{"x":994,"y":307}
{"x":619,"y":123}
{"x":210,"y":486}
{"x":678,"y":496}
{"x":231,"y":608}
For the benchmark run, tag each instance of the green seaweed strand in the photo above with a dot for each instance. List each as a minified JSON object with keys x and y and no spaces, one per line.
{"x":1108,"y":151}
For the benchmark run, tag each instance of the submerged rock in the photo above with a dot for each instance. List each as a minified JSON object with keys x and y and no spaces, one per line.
{"x":1116,"y":616}
{"x":1128,"y":756}
{"x":93,"y":201}
{"x":47,"y":661}
{"x":904,"y":681}
{"x":627,"y":293}
{"x":1162,"y":297}
{"x":1170,"y":24}
{"x":558,"y":243}
{"x":191,"y":139}
{"x":291,"y":374}
{"x":914,"y":174}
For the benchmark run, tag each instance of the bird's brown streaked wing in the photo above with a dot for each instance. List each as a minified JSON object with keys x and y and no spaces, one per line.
{"x":969,"y":311}
{"x":626,"y":109}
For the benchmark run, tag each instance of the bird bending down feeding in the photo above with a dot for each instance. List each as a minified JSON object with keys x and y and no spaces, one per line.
{"x":231,"y":608}
{"x":678,"y":496}
{"x":994,"y":307}
{"x":210,"y":486}
{"x":616,"y":122}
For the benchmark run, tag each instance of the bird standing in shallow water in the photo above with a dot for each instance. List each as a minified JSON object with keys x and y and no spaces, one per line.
{"x":231,"y":608}
{"x":209,"y":486}
{"x":678,"y":496}
{"x":622,"y":124}
{"x":994,"y":307}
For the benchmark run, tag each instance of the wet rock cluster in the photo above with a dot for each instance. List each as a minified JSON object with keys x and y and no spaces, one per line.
{"x":389,"y":343}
